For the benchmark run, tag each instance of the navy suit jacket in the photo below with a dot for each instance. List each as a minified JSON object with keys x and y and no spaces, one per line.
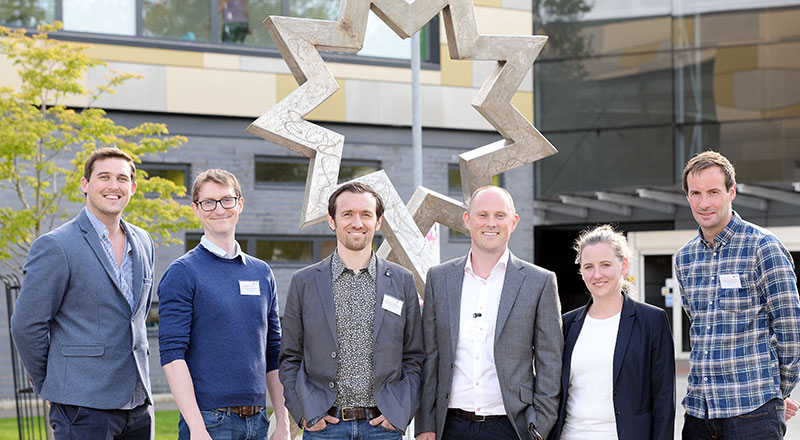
{"x":644,"y":371}
{"x":74,"y":330}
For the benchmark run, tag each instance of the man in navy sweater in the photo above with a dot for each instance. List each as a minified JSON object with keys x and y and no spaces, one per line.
{"x":219,"y":332}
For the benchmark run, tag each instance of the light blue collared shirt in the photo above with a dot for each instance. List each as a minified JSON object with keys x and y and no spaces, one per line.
{"x":124,"y":274}
{"x":218,"y":251}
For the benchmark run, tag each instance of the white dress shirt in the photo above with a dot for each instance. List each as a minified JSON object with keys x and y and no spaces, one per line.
{"x":475,"y":387}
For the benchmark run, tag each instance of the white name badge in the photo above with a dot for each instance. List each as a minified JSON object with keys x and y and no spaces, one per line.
{"x":730,"y":281}
{"x":476,"y":331}
{"x":392,"y":304}
{"x":249,"y":288}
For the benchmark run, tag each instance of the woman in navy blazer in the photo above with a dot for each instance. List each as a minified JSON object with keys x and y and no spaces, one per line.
{"x":641,"y":399}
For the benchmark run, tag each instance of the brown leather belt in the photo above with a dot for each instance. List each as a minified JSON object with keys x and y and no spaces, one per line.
{"x":350,"y":413}
{"x":242,"y":411}
{"x":471,"y":416}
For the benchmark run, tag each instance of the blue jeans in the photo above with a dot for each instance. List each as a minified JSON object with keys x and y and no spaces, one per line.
{"x":495,"y":428}
{"x":355,"y":430}
{"x":764,"y":423}
{"x":223,"y":425}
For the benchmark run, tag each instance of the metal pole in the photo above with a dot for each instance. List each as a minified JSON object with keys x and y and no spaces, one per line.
{"x":416,"y":120}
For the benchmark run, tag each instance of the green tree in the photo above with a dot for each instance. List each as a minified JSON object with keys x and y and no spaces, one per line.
{"x":39,"y":134}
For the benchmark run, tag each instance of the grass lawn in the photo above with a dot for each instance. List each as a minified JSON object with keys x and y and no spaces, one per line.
{"x":166,"y":427}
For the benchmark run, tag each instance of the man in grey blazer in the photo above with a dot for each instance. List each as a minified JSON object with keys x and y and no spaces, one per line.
{"x":79,"y":321}
{"x":351,"y":352}
{"x":492,"y":331}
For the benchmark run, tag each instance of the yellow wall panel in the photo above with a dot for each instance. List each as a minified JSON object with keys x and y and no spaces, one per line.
{"x":491,"y":3}
{"x":735,"y":59}
{"x":219,"y":92}
{"x":8,"y":74}
{"x":454,"y":72}
{"x":146,"y":55}
{"x":523,"y":101}
{"x":503,"y":21}
{"x":333,"y":109}
{"x":382,"y":73}
{"x":221,"y":61}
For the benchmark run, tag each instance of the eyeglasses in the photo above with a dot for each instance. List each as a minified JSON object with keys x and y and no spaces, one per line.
{"x":211,"y":204}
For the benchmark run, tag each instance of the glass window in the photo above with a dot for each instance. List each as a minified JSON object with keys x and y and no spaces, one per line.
{"x":176,"y":173}
{"x":319,"y":9}
{"x":27,"y":13}
{"x":187,"y":20}
{"x":241,"y":21}
{"x":763,"y":151}
{"x":454,"y":179}
{"x":116,"y":17}
{"x":735,"y":83}
{"x":296,"y":250}
{"x":193,"y":239}
{"x":611,"y":91}
{"x":291,"y":170}
{"x":595,"y":160}
{"x":698,"y":25}
{"x":614,"y":36}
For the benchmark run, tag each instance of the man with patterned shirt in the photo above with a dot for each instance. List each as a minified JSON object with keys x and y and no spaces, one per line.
{"x":739,"y":290}
{"x":351,"y":354}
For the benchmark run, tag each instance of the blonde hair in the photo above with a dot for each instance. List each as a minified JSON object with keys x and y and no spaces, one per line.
{"x":617,"y":242}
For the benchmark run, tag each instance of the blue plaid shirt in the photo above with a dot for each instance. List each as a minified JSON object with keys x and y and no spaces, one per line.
{"x":745,"y":336}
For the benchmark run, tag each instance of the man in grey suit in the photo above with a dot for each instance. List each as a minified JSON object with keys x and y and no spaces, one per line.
{"x":492,"y":331}
{"x":351,"y":353}
{"x":79,"y":321}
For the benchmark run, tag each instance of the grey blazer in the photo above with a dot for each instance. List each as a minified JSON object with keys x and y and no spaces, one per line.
{"x":73,"y":328}
{"x":309,"y":349}
{"x":528,"y":344}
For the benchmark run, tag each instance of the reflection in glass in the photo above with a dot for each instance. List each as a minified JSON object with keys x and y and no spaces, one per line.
{"x":595,"y":160}
{"x":704,"y":28}
{"x":763,"y":151}
{"x":117,"y":17}
{"x":604,"y":92}
{"x":736,"y":83}
{"x":289,"y":170}
{"x":319,"y":9}
{"x":241,"y":21}
{"x":176,"y":19}
{"x":27,"y":13}
{"x":269,"y":250}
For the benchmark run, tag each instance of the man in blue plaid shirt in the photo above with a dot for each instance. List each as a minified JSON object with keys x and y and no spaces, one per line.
{"x":739,"y":289}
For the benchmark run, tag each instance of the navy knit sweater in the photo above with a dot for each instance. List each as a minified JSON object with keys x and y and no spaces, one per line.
{"x":228,"y":340}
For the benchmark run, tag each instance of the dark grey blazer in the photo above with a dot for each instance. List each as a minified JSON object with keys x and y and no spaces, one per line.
{"x":308,"y":346}
{"x":528,"y":334}
{"x":73,"y":328}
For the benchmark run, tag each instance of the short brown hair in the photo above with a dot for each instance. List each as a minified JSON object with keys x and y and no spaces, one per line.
{"x":107,"y":153}
{"x":222,"y":177}
{"x":708,"y":159}
{"x":355,"y":187}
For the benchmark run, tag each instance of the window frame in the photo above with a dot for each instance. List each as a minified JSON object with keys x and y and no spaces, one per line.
{"x":215,"y":45}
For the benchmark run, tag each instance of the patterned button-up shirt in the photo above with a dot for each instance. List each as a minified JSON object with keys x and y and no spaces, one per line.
{"x":124,"y":275}
{"x":354,"y":303}
{"x":740,"y":293}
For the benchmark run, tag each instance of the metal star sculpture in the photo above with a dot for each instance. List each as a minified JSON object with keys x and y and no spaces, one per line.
{"x":299,"y":41}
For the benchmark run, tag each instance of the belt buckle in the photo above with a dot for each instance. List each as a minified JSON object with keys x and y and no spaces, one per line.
{"x":247,"y":410}
{"x":479,"y":418}
{"x":351,"y":409}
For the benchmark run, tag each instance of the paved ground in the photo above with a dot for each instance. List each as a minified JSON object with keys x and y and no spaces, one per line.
{"x":165,"y":402}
